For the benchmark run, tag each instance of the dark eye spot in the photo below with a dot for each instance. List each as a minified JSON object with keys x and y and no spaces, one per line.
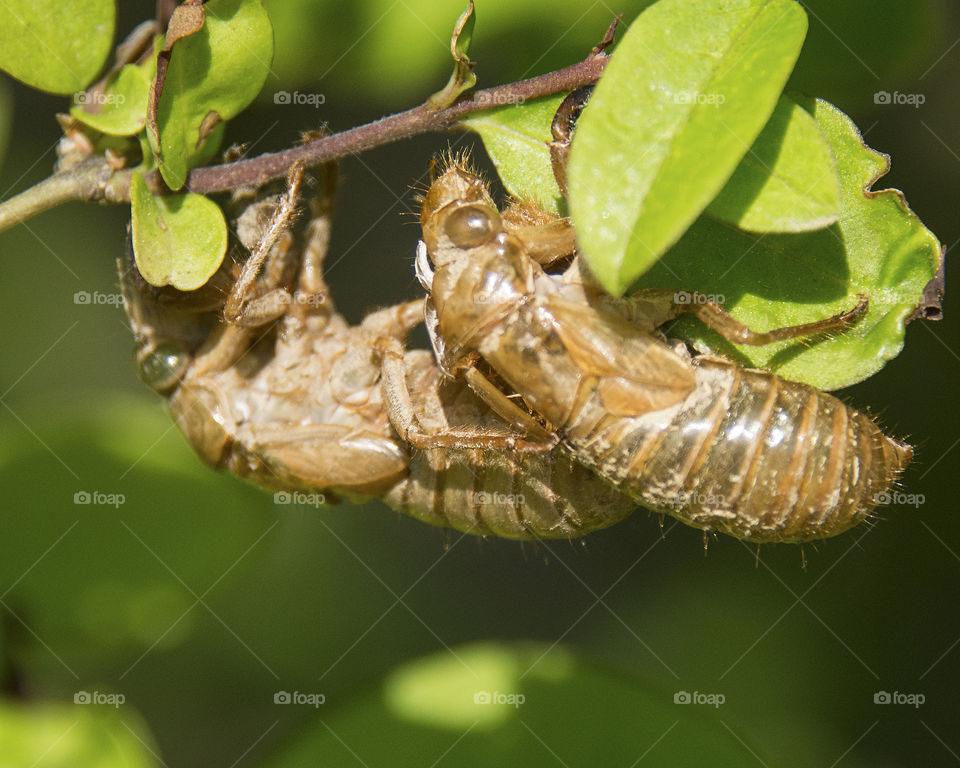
{"x":470,"y":225}
{"x":162,"y":367}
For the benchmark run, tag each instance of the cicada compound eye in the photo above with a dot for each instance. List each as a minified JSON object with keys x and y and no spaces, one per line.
{"x":472,"y":225}
{"x":163,"y":366}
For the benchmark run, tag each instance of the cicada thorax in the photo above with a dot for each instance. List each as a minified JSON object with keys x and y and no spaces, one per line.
{"x":717,"y":446}
{"x":503,"y":493}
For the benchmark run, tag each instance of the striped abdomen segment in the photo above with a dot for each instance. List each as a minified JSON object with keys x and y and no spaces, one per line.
{"x":511,"y":495}
{"x":495,"y":491}
{"x":761,"y":458}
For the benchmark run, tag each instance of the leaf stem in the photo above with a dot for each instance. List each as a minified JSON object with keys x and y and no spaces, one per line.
{"x":93,"y":180}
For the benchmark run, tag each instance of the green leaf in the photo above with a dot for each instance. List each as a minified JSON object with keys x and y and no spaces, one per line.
{"x":55,"y":45}
{"x":788,"y":180}
{"x":63,"y":736}
{"x":122,"y":103}
{"x":516,"y":137}
{"x":517,"y":704}
{"x":462,"y":78}
{"x":879,"y":248}
{"x":212,"y":76}
{"x":686,"y":93}
{"x":178,"y":240}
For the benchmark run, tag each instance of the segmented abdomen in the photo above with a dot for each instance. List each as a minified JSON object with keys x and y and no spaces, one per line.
{"x":498,"y":492}
{"x":511,"y":495}
{"x":758,"y":457}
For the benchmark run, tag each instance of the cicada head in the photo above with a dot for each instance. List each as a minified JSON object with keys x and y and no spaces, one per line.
{"x":457,"y":214}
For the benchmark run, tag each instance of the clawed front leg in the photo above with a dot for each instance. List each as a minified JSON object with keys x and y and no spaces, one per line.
{"x":404,"y":418}
{"x":649,"y":308}
{"x":716,"y":317}
{"x":564,"y":122}
{"x":244,"y":306}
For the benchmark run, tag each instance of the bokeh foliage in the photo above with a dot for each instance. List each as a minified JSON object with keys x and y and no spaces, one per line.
{"x":362,"y":606}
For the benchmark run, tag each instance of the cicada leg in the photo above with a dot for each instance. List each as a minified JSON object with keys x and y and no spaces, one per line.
{"x":716,"y":317}
{"x":246,"y":306}
{"x":254,"y":303}
{"x":509,"y":411}
{"x":650,"y":308}
{"x":546,"y":239}
{"x":405,"y":421}
{"x":564,"y":122}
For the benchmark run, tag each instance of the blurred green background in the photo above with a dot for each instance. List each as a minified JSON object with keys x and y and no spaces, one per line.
{"x":185,"y":611}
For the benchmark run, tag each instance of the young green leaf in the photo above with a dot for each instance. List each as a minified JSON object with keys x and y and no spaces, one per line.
{"x":686,"y":93}
{"x":462,"y":78}
{"x":120,"y":108}
{"x":178,"y":240}
{"x":55,"y":45}
{"x":788,"y":180}
{"x":879,"y":249}
{"x":516,"y":137}
{"x":213,"y":75}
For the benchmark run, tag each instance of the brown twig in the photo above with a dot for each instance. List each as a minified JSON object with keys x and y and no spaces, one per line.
{"x":94,"y":182}
{"x":422,"y":119}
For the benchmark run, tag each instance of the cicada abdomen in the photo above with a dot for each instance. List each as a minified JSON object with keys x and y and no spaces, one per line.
{"x":715,"y":445}
{"x":494,"y":491}
{"x":753,"y":455}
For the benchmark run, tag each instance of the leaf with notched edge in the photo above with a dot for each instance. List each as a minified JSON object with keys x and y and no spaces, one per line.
{"x":879,"y":248}
{"x":178,"y":240}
